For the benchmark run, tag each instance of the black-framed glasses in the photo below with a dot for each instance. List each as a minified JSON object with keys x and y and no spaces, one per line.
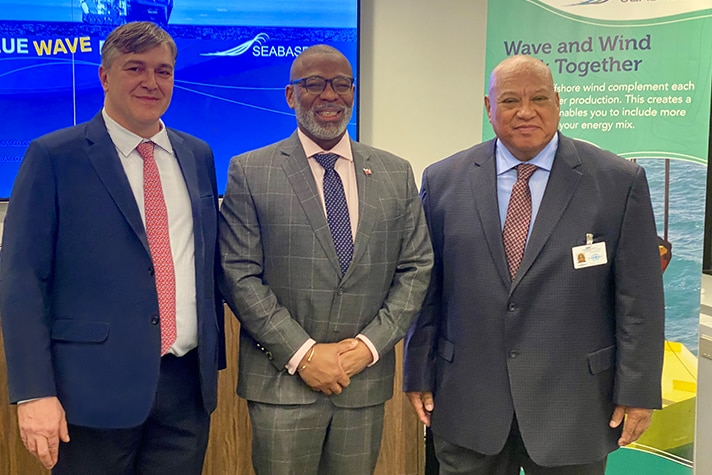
{"x":317,"y":84}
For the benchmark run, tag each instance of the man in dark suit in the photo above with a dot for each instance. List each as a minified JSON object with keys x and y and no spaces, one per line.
{"x":524,"y":354}
{"x":323,"y":293}
{"x":112,"y":328}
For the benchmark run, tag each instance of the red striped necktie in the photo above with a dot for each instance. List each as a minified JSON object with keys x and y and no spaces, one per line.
{"x":519,"y":215}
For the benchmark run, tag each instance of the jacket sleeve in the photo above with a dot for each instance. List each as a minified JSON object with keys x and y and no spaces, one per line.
{"x":26,"y":264}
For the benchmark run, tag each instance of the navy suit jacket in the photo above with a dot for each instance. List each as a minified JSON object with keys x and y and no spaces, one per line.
{"x":77,"y":291}
{"x":558,"y":347}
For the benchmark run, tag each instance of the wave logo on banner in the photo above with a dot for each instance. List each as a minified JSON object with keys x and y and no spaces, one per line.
{"x":626,"y":10}
{"x":241,"y":48}
{"x":588,"y":2}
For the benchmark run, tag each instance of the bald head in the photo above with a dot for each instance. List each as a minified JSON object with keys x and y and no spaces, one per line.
{"x":520,"y":65}
{"x":313,"y":53}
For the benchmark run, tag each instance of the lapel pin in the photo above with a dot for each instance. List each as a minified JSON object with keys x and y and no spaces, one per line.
{"x":367,"y":171}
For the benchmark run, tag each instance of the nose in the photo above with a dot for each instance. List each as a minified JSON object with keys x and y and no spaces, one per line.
{"x":149,"y":81}
{"x":526,"y":110}
{"x":329,"y":93}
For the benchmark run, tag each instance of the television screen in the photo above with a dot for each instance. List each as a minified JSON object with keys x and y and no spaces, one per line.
{"x":233,"y":64}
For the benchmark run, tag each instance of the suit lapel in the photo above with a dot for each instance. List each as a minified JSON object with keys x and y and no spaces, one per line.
{"x":368,"y":199}
{"x":299,"y":174}
{"x":105,"y":160}
{"x":186,"y":162}
{"x":563,"y":181}
{"x":484,"y":185}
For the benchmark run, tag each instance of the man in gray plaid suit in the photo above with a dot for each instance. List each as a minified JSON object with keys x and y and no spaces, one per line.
{"x":322,"y":293}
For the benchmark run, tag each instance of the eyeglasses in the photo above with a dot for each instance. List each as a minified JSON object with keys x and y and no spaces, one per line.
{"x":317,"y":84}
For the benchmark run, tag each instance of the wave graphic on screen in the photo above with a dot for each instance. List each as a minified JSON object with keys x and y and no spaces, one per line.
{"x":242,"y":48}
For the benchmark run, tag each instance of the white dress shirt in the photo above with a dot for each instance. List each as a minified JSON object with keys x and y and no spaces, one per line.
{"x":180,"y":220}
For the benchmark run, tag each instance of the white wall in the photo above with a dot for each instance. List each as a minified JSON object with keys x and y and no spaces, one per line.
{"x":421,"y":77}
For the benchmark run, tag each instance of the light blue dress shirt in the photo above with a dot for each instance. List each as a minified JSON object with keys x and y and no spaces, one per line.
{"x":507,"y":176}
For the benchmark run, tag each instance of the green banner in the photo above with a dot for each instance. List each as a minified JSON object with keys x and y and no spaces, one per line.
{"x":634,"y":78}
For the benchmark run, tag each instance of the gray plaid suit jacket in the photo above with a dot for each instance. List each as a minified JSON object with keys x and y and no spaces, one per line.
{"x":281,"y":274}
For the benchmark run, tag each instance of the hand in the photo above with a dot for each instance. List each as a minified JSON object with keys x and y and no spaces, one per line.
{"x":42,"y":425}
{"x":423,"y":405}
{"x":355,"y":360}
{"x":636,"y":422}
{"x":324,"y":372}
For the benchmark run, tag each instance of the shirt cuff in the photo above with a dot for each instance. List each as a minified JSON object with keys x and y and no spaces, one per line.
{"x":293,"y":363}
{"x":372,"y":349}
{"x":29,"y":400}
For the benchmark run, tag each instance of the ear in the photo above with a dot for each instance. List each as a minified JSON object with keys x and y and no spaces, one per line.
{"x":104,"y":78}
{"x":487,"y":108}
{"x":289,"y":94}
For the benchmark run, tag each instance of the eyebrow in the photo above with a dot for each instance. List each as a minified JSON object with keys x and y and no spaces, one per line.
{"x":514,"y":92}
{"x":138,"y":62}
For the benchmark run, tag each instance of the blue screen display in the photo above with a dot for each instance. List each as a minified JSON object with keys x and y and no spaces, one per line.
{"x":233,"y":64}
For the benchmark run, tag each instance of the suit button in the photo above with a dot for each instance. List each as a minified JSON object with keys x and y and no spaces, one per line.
{"x":512,"y":307}
{"x":269,"y":355}
{"x":151,"y":271}
{"x":340,"y":292}
{"x":155,"y":319}
{"x":513,"y":354}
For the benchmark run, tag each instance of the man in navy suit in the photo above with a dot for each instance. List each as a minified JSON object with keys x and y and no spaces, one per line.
{"x":86,"y":303}
{"x":549,"y":357}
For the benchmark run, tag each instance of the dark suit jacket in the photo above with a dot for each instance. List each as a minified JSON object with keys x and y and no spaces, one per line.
{"x":282,"y":275}
{"x":558,"y":347}
{"x":77,"y":294}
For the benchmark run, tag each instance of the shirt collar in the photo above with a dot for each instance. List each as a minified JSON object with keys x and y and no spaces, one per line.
{"x":126,"y":141}
{"x":342,"y":148}
{"x":544,"y":159}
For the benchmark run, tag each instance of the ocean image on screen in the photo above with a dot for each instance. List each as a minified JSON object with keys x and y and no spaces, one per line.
{"x":232,"y":67}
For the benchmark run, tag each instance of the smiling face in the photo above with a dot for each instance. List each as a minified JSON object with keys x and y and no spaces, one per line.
{"x":322,"y":117}
{"x":523,"y":106}
{"x":138,"y":88}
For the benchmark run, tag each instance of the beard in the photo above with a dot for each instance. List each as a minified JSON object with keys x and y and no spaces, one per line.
{"x":309,"y":121}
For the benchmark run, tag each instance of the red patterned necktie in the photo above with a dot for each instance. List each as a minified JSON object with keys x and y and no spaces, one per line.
{"x":159,"y":243}
{"x":519,"y":215}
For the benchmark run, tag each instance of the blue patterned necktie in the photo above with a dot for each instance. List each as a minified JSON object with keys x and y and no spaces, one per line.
{"x":337,"y":211}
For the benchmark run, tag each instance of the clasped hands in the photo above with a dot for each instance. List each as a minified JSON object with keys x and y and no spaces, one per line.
{"x":333,"y":364}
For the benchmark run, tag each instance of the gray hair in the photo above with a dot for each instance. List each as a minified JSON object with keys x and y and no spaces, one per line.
{"x":135,"y":37}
